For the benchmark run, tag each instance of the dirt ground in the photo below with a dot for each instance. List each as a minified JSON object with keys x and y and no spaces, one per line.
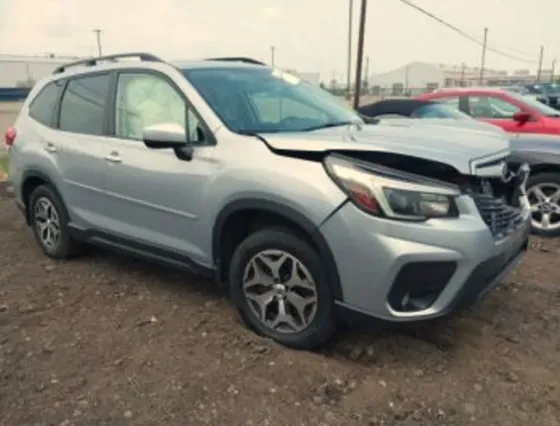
{"x":106,"y":340}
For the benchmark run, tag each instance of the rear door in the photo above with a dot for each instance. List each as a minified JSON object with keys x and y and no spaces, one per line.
{"x":80,"y":147}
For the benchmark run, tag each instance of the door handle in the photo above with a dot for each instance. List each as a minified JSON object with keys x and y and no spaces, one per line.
{"x":114,"y":157}
{"x":50,"y":148}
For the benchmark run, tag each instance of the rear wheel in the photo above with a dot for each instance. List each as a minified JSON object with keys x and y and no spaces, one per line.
{"x":281,"y":289}
{"x":543,"y":192}
{"x":49,"y":220}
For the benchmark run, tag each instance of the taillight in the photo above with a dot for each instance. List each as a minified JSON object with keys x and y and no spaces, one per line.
{"x":10,"y":136}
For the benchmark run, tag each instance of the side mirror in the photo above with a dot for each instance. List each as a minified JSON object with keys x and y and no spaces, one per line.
{"x":521,"y":117}
{"x":165,"y":136}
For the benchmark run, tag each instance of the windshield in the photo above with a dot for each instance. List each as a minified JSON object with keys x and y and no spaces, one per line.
{"x":535,"y":104}
{"x":262,"y":100}
{"x":440,"y":111}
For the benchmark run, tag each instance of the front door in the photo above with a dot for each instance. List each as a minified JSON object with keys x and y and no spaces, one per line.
{"x":499,"y":111}
{"x":156,"y":198}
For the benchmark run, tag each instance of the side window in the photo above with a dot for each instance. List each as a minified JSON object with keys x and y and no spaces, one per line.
{"x":145,"y":100}
{"x":459,"y":103}
{"x":44,"y":104}
{"x":491,"y":107}
{"x":83,"y":105}
{"x":452,"y":101}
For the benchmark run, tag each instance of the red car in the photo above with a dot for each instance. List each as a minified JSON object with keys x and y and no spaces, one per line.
{"x":509,"y":110}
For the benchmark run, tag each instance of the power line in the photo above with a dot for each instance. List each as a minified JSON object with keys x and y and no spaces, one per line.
{"x":464,"y":33}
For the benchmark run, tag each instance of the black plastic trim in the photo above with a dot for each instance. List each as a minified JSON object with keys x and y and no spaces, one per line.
{"x":90,"y":62}
{"x":140,"y":250}
{"x":39,"y":175}
{"x":287,"y":212}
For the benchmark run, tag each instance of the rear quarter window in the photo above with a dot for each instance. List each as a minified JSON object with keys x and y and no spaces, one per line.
{"x":42,"y":108}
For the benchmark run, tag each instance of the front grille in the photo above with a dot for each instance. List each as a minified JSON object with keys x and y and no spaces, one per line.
{"x":499,"y":216}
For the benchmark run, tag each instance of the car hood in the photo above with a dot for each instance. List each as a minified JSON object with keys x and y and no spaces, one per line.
{"x":535,"y":149}
{"x":463,"y":148}
{"x":448,"y":122}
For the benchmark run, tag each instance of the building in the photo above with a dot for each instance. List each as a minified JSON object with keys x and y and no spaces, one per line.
{"x":421,"y":76}
{"x":24,"y":71}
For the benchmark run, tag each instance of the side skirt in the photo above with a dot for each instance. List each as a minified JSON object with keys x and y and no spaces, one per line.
{"x":141,"y":251}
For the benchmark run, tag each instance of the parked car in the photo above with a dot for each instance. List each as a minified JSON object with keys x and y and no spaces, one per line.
{"x":431,"y":112}
{"x":267,"y":184}
{"x":548,"y":93}
{"x":542,"y":153}
{"x":511,"y":111}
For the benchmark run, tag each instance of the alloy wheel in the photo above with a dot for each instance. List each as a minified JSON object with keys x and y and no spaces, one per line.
{"x":280,"y":291}
{"x":544,"y":199}
{"x":47,"y":223}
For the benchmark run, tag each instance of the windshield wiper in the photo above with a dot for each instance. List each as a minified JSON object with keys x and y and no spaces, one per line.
{"x":329,"y":125}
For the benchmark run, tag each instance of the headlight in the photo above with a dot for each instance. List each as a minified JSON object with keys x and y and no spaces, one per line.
{"x":386,"y":192}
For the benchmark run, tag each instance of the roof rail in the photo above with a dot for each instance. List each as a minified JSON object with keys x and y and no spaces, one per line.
{"x":90,"y":62}
{"x":238,"y":59}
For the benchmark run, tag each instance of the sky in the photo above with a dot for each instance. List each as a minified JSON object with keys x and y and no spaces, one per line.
{"x":308,"y":35}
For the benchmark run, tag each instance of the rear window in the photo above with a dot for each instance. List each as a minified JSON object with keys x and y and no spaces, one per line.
{"x":43,"y":106}
{"x":83,"y":105}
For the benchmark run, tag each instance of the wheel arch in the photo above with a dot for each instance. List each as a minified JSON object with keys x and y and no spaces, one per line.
{"x":234,"y":210}
{"x":544,"y":168}
{"x":31,"y":179}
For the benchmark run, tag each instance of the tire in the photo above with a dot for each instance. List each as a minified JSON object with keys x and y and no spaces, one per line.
{"x":65,"y":246}
{"x":270,"y":242}
{"x":547,"y":180}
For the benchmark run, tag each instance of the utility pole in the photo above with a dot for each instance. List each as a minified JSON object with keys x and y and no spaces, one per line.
{"x":360,"y":53}
{"x":552,"y":71}
{"x":463,"y":74}
{"x":349,"y":69}
{"x":97,"y":32}
{"x":406,"y":73}
{"x":539,"y":72}
{"x":272,"y":49}
{"x":483,"y":61}
{"x":366,"y":73}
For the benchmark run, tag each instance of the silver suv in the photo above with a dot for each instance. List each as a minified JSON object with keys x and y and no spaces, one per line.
{"x":269,"y":186}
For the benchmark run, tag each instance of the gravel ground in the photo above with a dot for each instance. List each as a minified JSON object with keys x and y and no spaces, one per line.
{"x":106,"y":340}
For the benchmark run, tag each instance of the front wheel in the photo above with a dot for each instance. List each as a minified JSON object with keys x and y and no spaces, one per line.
{"x":281,"y":290}
{"x":543,"y":192}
